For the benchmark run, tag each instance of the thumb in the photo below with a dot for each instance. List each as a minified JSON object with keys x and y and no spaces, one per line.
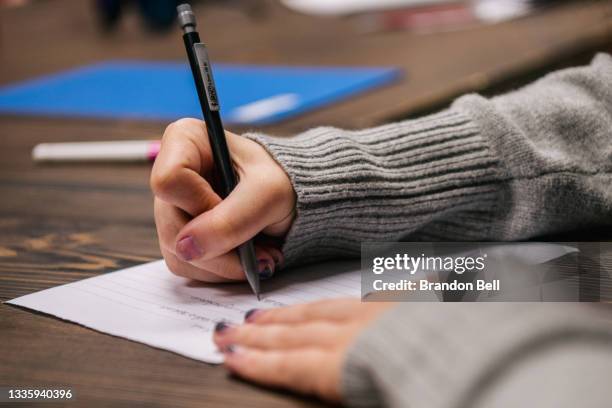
{"x":238,"y":218}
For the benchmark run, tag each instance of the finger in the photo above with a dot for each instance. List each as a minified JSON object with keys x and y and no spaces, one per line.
{"x":169,"y":220}
{"x":278,"y":336}
{"x":184,"y":158}
{"x":272,"y":252}
{"x":186,"y":270}
{"x":309,"y":371}
{"x":236,"y":219}
{"x":265,"y":262}
{"x":332,"y":310}
{"x":227,"y":266}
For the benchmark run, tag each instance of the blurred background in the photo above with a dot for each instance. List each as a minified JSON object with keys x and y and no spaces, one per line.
{"x":442,"y":48}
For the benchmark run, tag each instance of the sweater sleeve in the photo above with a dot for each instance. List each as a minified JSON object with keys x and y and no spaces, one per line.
{"x":459,"y":355}
{"x":531,"y":162}
{"x":435,"y":176}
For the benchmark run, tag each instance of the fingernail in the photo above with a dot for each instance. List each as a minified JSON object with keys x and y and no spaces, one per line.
{"x":265,"y":271}
{"x":231,"y":349}
{"x":251,"y":314}
{"x":222,"y":327}
{"x":188,"y":249}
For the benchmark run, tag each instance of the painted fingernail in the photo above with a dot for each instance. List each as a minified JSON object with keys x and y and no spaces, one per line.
{"x":188,"y":249}
{"x":265,"y":270}
{"x":222,"y":327}
{"x":251,"y":315}
{"x":266,"y":273}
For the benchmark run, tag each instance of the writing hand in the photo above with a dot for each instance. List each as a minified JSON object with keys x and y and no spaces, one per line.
{"x":197,"y":230}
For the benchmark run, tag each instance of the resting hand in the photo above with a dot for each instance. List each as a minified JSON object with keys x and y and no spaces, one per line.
{"x":198,"y":230}
{"x":300,"y":347}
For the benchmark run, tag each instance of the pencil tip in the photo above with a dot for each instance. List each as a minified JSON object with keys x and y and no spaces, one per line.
{"x":258,"y":296}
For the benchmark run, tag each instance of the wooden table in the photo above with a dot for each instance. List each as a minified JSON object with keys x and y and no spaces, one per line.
{"x":63,"y":223}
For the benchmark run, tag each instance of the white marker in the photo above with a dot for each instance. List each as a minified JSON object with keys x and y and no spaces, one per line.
{"x":118,"y":151}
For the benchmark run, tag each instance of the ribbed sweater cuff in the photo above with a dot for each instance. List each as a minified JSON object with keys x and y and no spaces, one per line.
{"x":385,"y":183}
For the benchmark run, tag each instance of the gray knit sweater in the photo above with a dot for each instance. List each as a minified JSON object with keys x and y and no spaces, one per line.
{"x":532,"y":162}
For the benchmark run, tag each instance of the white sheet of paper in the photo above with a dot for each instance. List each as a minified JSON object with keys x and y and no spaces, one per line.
{"x":150,"y":305}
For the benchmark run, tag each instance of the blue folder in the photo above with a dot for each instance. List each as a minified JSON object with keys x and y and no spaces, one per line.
{"x":248,"y":94}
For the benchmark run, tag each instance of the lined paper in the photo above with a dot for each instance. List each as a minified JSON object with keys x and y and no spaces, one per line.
{"x":148,"y":304}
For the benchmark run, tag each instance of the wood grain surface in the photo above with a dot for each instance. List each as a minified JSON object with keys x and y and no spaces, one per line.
{"x":61,"y":223}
